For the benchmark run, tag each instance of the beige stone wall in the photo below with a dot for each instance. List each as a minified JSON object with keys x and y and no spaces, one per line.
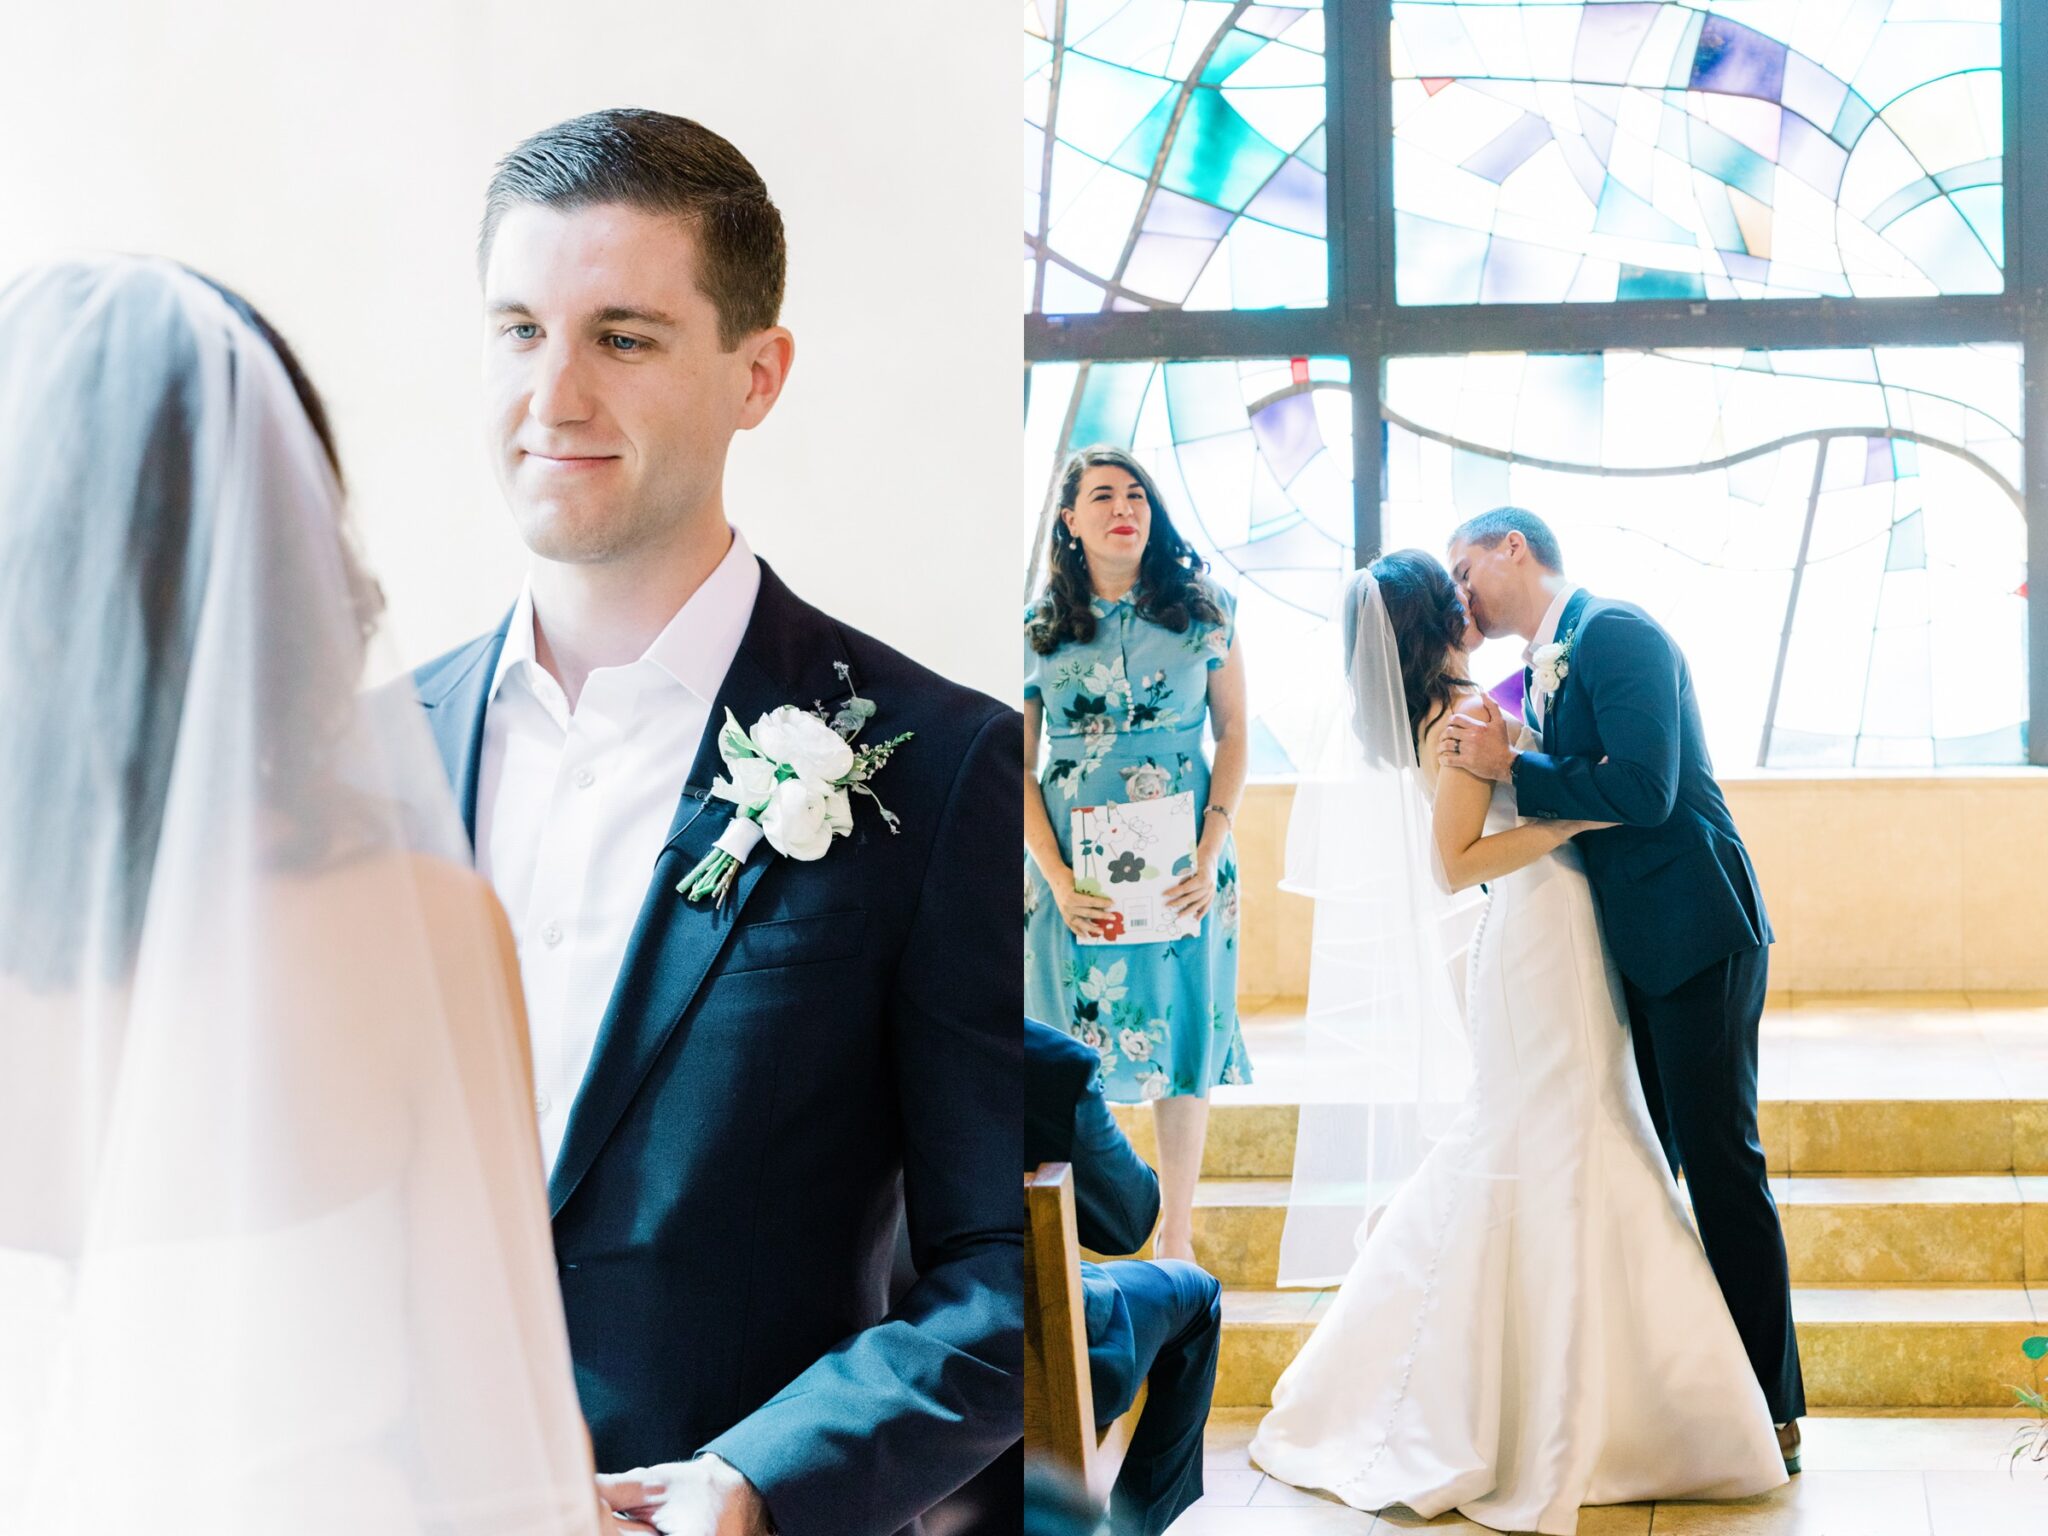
{"x":1877,"y":883}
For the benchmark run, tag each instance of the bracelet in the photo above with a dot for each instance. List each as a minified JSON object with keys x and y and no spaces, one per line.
{"x":1218,"y":810}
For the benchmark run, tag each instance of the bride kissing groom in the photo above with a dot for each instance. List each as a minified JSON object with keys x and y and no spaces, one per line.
{"x":1531,"y":1325}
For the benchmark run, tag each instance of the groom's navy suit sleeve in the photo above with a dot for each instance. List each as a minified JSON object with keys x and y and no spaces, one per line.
{"x":1630,"y":673}
{"x":899,"y":1415}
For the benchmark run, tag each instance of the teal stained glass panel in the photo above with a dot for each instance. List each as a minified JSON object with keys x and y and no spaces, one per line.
{"x":1174,"y":156}
{"x":1551,"y":152}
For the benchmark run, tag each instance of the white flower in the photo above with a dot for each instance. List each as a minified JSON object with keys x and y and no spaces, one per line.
{"x":801,"y":822}
{"x":1551,"y":664}
{"x":752,"y":781}
{"x":1152,"y":1085}
{"x":1096,"y":1038}
{"x":1136,"y":1045}
{"x":1217,"y":641}
{"x":1147,"y":781}
{"x":818,"y":753}
{"x":1101,"y":987}
{"x":1100,"y":679}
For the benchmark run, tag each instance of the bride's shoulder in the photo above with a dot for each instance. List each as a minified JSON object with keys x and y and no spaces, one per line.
{"x":1463,"y":700}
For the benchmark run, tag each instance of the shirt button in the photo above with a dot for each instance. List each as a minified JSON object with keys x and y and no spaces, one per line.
{"x":551,"y":935}
{"x":585,"y":778}
{"x":542,"y":1103}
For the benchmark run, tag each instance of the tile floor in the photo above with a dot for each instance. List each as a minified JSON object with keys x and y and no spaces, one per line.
{"x":1883,"y":1475}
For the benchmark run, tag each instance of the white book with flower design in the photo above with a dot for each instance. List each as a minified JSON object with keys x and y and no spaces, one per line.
{"x":1133,"y":852}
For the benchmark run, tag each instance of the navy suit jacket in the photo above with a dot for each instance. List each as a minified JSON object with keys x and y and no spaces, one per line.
{"x":776,"y":1083}
{"x":1673,"y":882}
{"x":1116,"y":1196}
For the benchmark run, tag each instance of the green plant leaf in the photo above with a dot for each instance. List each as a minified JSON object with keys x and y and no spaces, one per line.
{"x":2035,"y":1348}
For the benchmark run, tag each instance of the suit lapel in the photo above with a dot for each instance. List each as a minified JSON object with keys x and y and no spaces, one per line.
{"x":455,"y":702}
{"x":1567,"y":630}
{"x":785,"y":657}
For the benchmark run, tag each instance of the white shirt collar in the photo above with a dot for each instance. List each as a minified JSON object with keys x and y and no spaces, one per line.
{"x":695,"y":648}
{"x":1547,"y":630}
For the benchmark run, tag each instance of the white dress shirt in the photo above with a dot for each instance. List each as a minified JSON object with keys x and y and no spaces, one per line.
{"x":1546,"y":632}
{"x":573,"y":807}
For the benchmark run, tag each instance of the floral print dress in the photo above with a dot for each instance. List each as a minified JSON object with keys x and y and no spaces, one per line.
{"x":1124,"y":716}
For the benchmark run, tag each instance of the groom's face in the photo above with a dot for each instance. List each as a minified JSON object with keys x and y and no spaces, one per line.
{"x":610,"y":400}
{"x":1487,"y":580}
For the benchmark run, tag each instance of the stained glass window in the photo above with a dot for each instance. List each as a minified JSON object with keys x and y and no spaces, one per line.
{"x":1253,"y":462}
{"x":1548,"y":152}
{"x":1174,"y":156}
{"x":1833,"y":536}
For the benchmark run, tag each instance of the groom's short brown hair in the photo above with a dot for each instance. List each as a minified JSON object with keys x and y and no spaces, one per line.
{"x":662,"y":164}
{"x":1489,"y":528}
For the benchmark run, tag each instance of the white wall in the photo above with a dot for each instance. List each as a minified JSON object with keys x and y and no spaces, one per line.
{"x":329,"y":161}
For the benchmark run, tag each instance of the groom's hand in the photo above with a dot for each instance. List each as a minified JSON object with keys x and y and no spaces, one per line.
{"x":1479,"y":744}
{"x":705,"y":1497}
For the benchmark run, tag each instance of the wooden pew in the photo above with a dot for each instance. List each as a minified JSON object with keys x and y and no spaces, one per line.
{"x":1059,"y":1411}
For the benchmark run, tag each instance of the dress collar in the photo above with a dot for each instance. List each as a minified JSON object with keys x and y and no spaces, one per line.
{"x":1103,"y":607}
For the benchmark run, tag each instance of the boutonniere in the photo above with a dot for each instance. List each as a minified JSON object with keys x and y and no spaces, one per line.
{"x":793,"y":778}
{"x":1552,"y":664}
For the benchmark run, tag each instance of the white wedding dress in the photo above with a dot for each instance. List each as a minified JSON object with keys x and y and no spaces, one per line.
{"x":274,"y":1241}
{"x":1532,"y":1325}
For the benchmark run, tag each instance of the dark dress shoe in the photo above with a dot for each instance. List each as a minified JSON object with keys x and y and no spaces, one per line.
{"x":1788,"y":1445}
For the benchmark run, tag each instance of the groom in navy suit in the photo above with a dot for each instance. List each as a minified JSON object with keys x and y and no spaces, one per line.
{"x":1679,"y":903}
{"x":739,"y":1101}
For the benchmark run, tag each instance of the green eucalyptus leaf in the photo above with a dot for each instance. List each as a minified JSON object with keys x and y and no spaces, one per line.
{"x":2035,"y":1348}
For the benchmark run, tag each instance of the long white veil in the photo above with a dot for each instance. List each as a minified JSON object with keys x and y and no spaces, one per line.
{"x":274,"y":1248}
{"x":1387,"y":1059}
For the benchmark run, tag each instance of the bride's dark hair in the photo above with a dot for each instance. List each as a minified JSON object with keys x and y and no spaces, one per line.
{"x":1428,"y":619}
{"x":104,"y":719}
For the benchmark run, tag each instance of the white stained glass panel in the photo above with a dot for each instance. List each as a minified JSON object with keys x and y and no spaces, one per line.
{"x":1877,"y":619}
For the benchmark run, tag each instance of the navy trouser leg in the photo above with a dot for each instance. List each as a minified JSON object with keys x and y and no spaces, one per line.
{"x":1176,"y":1312}
{"x":1696,"y":1048}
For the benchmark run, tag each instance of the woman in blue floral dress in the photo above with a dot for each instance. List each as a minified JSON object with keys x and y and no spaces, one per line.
{"x":1128,"y":653}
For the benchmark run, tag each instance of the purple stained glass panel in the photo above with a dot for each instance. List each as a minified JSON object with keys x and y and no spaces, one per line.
{"x":1734,"y":60}
{"x":1497,"y":160}
{"x":1289,"y":435}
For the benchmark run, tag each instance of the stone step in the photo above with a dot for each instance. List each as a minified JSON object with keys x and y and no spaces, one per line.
{"x":1860,"y":1347}
{"x":1983,"y":1229}
{"x":1850,"y":1135}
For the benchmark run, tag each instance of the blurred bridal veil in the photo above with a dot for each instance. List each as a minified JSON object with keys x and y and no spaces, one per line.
{"x":274,"y":1246}
{"x":1386,"y":1062}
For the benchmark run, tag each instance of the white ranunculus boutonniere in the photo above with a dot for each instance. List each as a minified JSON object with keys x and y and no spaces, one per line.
{"x":1552,"y":664}
{"x":793,"y":778}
